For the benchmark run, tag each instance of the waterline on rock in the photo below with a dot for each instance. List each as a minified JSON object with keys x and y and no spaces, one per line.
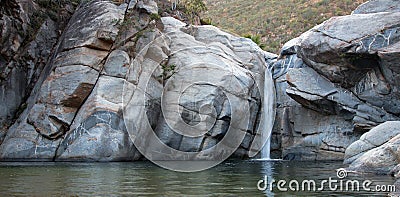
{"x":268,"y":159}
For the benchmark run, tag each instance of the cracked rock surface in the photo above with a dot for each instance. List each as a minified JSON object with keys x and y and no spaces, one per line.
{"x":102,"y":59}
{"x":65,"y":90}
{"x":338,"y":81}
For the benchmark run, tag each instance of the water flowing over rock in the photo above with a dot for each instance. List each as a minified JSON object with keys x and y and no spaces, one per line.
{"x":75,"y":89}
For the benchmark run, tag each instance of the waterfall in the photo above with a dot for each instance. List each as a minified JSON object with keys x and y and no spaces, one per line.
{"x":268,"y":114}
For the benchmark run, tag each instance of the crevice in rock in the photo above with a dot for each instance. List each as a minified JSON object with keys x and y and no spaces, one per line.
{"x":93,"y":47}
{"x":66,"y":65}
{"x":38,"y":130}
{"x":102,"y":63}
{"x":332,"y":148}
{"x":311,"y":134}
{"x":327,"y":35}
{"x":63,"y":128}
{"x":118,"y":77}
{"x":201,"y":147}
{"x":364,"y":61}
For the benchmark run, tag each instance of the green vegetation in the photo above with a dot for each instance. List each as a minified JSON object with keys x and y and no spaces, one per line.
{"x":129,"y":22}
{"x":206,"y":21}
{"x":256,"y":39}
{"x":168,"y":70}
{"x":155,"y":16}
{"x":275,"y":21}
{"x":193,"y":8}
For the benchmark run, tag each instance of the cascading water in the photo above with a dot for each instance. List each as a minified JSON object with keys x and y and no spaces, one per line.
{"x":268,"y":114}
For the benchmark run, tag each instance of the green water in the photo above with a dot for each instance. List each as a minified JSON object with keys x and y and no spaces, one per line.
{"x":231,"y":178}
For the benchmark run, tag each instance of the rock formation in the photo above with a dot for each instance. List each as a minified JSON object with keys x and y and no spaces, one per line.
{"x":92,"y":81}
{"x":29,"y":34}
{"x":337,"y":81}
{"x":107,"y":54}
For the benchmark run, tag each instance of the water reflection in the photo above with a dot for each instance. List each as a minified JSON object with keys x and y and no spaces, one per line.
{"x":231,"y":178}
{"x":267,"y":169}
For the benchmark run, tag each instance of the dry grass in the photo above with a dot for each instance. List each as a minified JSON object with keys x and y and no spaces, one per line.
{"x":276,"y":21}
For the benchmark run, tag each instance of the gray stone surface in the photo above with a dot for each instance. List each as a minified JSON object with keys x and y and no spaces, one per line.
{"x":372,"y":139}
{"x":26,"y":41}
{"x":103,"y":58}
{"x":206,"y":74}
{"x":344,"y":55}
{"x":381,"y":160}
{"x":149,"y":5}
{"x":333,"y":83}
{"x":117,"y":64}
{"x":337,"y":81}
{"x":374,"y":6}
{"x":67,"y":81}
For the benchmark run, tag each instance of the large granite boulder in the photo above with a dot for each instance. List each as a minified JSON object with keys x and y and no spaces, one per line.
{"x":374,"y":138}
{"x":210,"y":76}
{"x":377,"y":151}
{"x":337,"y":81}
{"x":67,"y":81}
{"x":374,"y":6}
{"x":111,"y":54}
{"x":119,"y":78}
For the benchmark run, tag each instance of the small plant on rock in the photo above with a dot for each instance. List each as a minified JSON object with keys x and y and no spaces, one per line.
{"x":256,"y":39}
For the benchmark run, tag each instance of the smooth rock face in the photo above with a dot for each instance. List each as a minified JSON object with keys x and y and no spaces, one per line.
{"x":374,"y":6}
{"x":207,"y":76}
{"x":98,"y":132}
{"x":381,"y":160}
{"x":372,"y":139}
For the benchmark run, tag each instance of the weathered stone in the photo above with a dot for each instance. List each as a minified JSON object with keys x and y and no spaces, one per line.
{"x":319,"y":94}
{"x":344,"y":74}
{"x":372,"y":139}
{"x":81,"y":56}
{"x":381,"y":160}
{"x":102,"y":18}
{"x":193,"y":97}
{"x":114,"y":71}
{"x":66,"y":83}
{"x":149,"y":5}
{"x":344,"y":54}
{"x":98,"y":132}
{"x":26,"y":45}
{"x":374,"y":6}
{"x":23,"y":143}
{"x":117,"y":64}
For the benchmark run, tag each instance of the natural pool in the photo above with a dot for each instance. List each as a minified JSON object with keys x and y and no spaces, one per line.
{"x":231,"y":178}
